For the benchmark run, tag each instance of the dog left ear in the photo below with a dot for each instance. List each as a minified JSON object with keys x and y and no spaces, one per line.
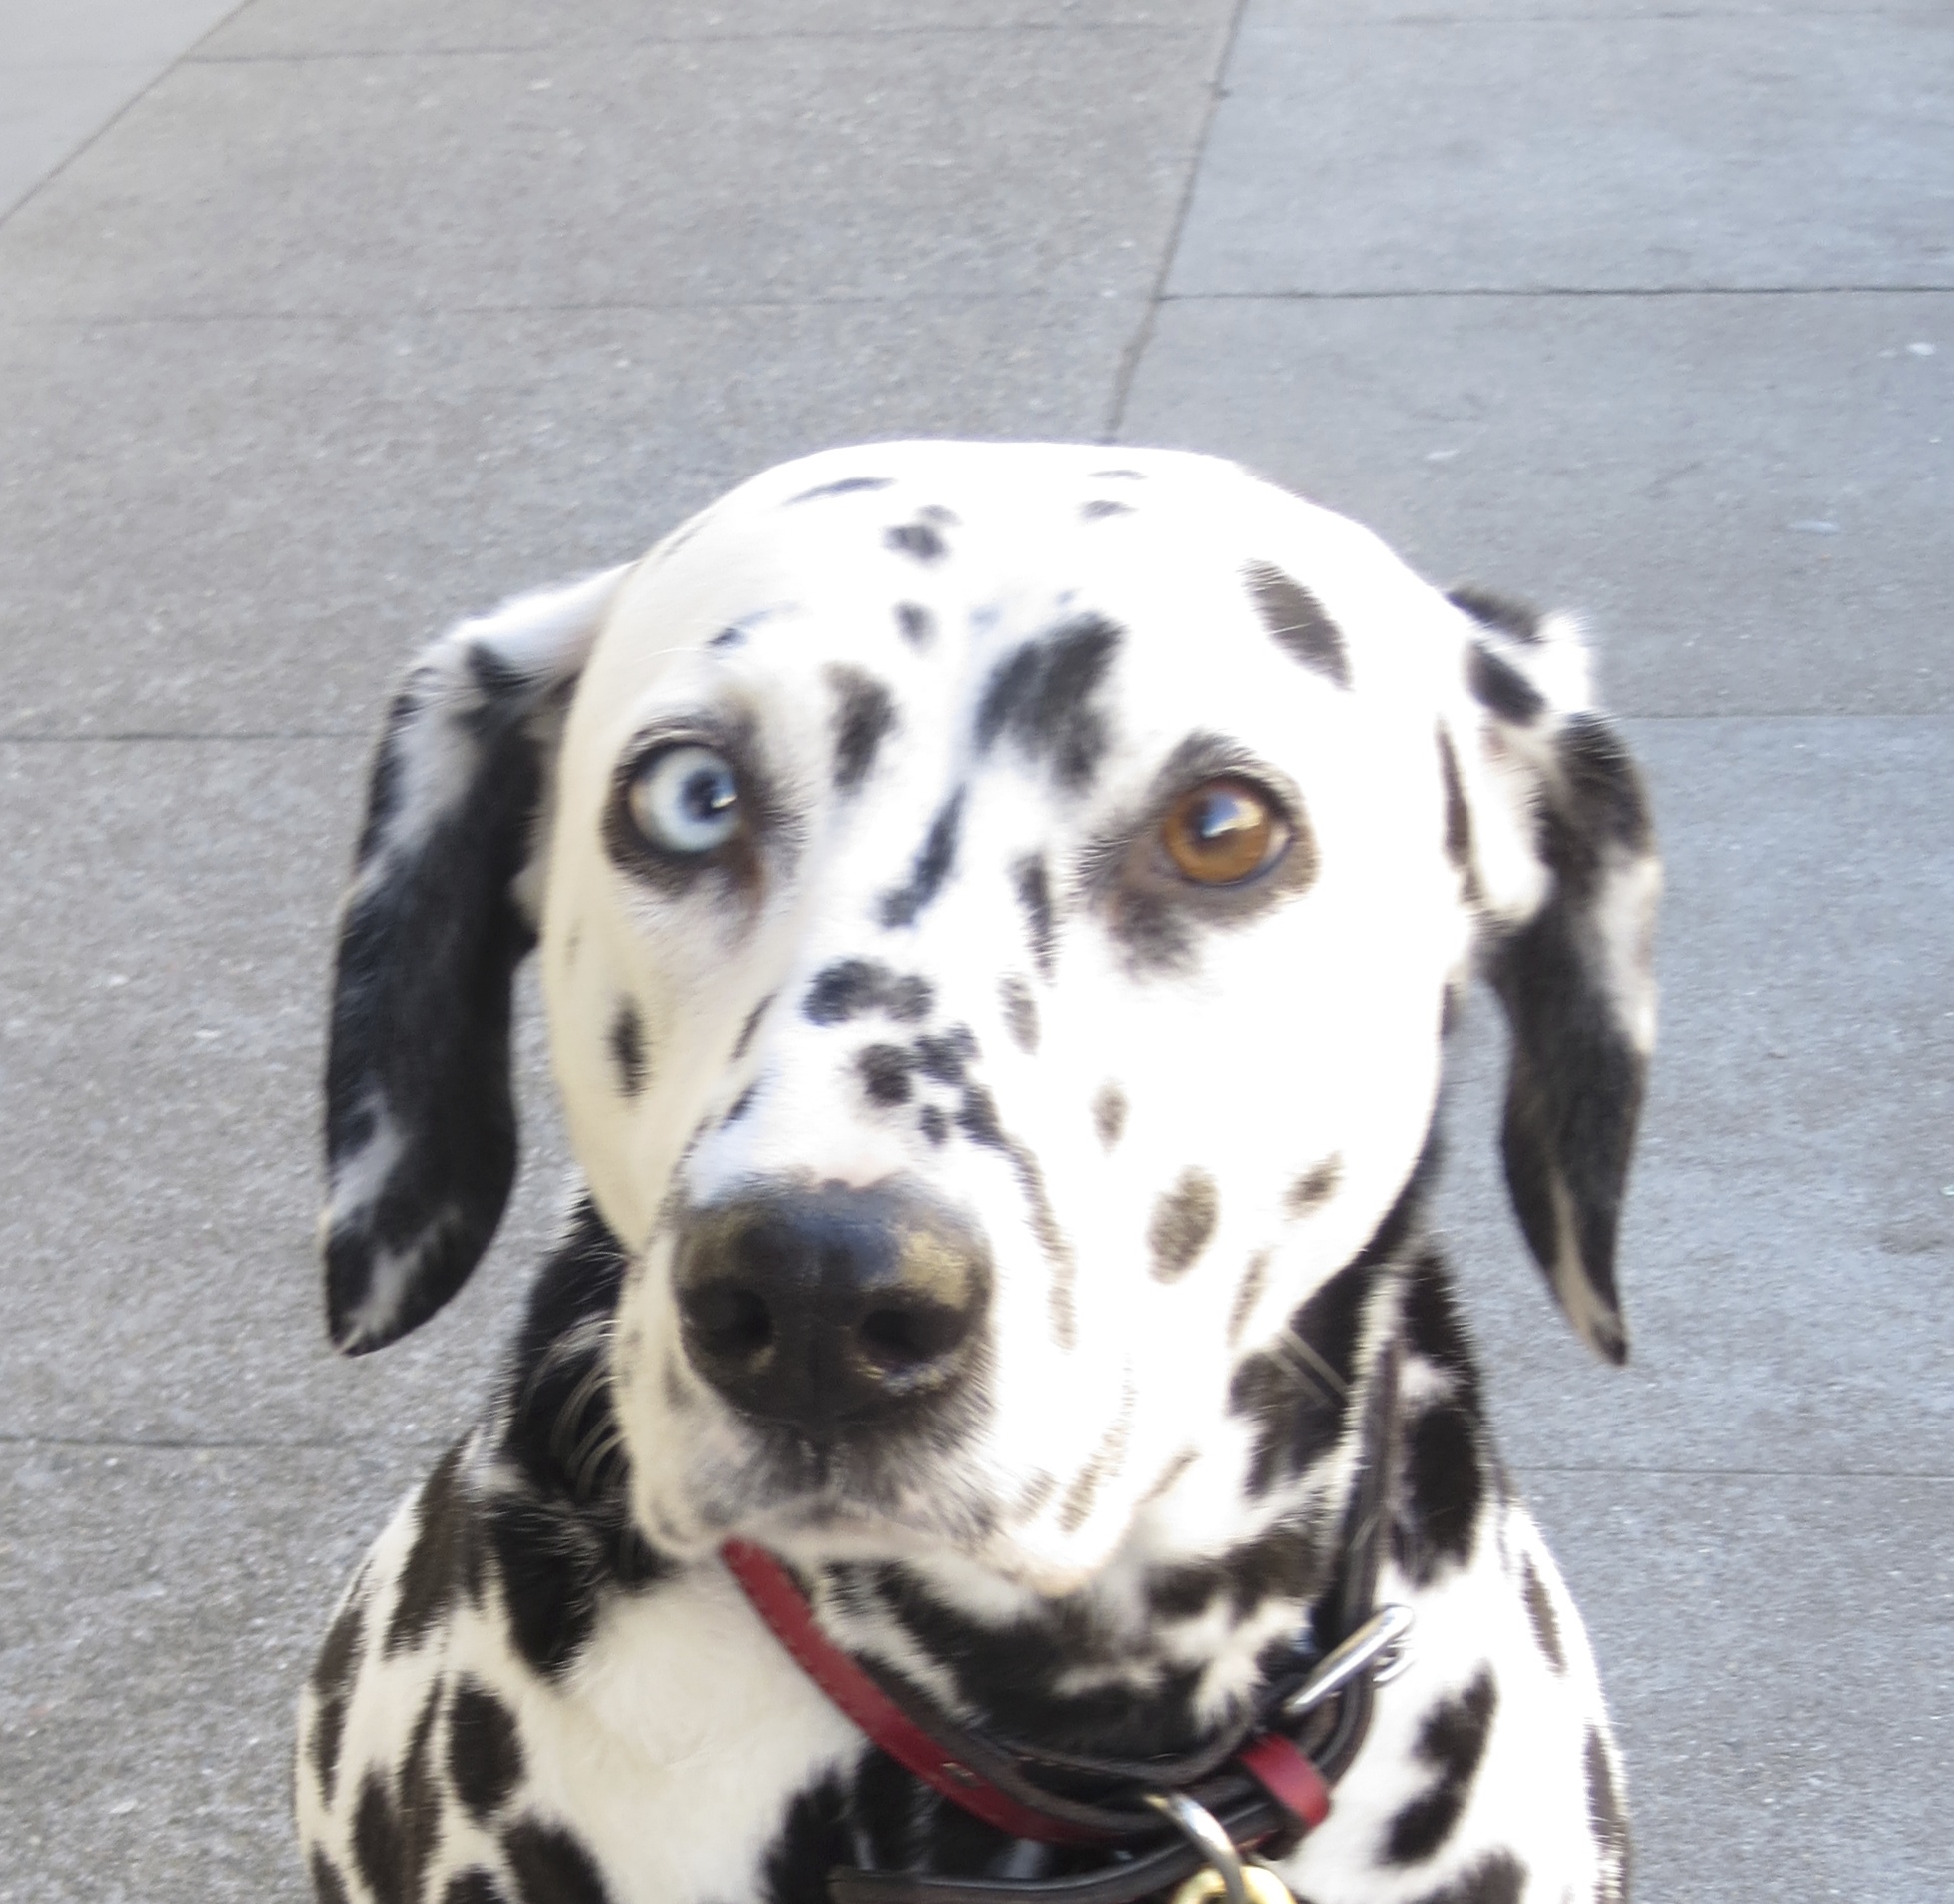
{"x":1547,"y":815}
{"x":420,"y":1115}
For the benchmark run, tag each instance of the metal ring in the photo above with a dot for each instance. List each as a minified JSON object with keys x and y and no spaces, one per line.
{"x":1376,"y":1644}
{"x":1202,"y":1829}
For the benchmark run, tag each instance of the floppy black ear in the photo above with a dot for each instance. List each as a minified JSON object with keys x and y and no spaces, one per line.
{"x":419,"y":1120}
{"x":1567,"y":943}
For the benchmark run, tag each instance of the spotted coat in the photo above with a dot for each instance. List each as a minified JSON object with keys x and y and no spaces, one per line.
{"x":1086,"y":849}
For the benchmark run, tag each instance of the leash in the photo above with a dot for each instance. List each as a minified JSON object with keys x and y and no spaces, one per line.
{"x":1181,"y":1824}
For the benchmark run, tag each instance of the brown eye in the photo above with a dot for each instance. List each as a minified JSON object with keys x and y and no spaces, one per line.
{"x":1222,"y":832}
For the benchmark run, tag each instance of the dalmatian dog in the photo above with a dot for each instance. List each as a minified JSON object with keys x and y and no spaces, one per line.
{"x":999,"y":909}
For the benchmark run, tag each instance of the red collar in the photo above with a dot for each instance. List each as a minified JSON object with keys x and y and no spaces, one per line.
{"x":940,"y":1756}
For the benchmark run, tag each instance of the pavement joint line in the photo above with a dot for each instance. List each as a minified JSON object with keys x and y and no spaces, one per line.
{"x":326,"y":55}
{"x":115,"y":118}
{"x":1142,"y":336}
{"x":115,"y":320}
{"x":1381,"y":294}
{"x":140,"y":738}
{"x":248,"y":1445}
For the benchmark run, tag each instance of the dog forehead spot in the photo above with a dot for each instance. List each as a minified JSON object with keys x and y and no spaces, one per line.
{"x":1099,"y":507}
{"x":935,"y":859}
{"x":864,"y":713}
{"x":884,"y":1072}
{"x":1296,"y":621}
{"x":1183,"y":1220}
{"x":1019,"y":1013}
{"x":1033,"y":886}
{"x":850,"y":988}
{"x":915,"y":624}
{"x":1041,"y":697}
{"x":847,"y":485}
{"x":626,"y":1040}
{"x":1109,"y":1112}
{"x":920,"y":540}
{"x":1314,"y":1187}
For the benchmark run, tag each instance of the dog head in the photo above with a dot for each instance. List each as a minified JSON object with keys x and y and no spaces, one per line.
{"x":998,"y":906}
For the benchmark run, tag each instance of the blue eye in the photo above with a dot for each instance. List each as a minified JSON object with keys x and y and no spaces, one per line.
{"x":685,"y":800}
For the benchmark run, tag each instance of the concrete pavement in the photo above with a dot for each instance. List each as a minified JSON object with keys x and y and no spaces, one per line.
{"x":362,"y":315}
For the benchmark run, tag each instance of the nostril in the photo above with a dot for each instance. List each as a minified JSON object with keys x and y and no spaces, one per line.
{"x":906,"y":1338}
{"x":729,"y":1321}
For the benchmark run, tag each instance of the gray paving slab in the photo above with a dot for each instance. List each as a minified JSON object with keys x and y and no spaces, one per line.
{"x":1748,"y":495}
{"x":66,"y":71}
{"x":157,"y":1610}
{"x":1780,"y":1655}
{"x":285,"y":28}
{"x":243,"y":527}
{"x":1658,"y":151}
{"x":853,"y":166}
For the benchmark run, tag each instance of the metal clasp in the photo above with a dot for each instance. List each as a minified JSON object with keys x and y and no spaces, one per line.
{"x":1226,"y":1876}
{"x":1376,"y":1647}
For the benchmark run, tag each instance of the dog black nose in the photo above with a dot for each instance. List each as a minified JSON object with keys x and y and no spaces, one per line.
{"x":827,"y":1308}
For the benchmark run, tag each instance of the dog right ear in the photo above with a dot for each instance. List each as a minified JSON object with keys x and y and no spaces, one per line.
{"x":419,"y":1116}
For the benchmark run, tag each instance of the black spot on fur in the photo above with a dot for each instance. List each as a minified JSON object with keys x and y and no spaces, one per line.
{"x":1314,"y":1187}
{"x":326,"y":1885}
{"x":741,"y":1105}
{"x":473,"y":1886}
{"x":1296,"y":1391}
{"x":727,"y":638}
{"x":1458,"y":820}
{"x":1248,"y":1292}
{"x":1103,"y":1465}
{"x":853,"y":987}
{"x":332,"y":1681}
{"x":1098,"y":510}
{"x":1452,"y":1742}
{"x":550,"y":1866}
{"x":978,"y":1120}
{"x":935,"y":1126}
{"x":863,"y":715}
{"x":379,"y":1844}
{"x":420,"y":1806}
{"x":551,"y":1605}
{"x":917,"y":624}
{"x":1444,"y":1480}
{"x":1034,"y":889}
{"x":1041,"y":697}
{"x":1118,"y":475}
{"x":1511,"y":618}
{"x":1019,"y":1013}
{"x":627,"y":1049}
{"x":884,"y":1071}
{"x":947,"y":1057}
{"x":1109,"y":1114}
{"x":933,"y":863}
{"x":445,"y":1560}
{"x":1502,"y":688}
{"x":812,"y":1840}
{"x":922,"y":540}
{"x":1183,"y":1220}
{"x":1496,"y":1878}
{"x":1296,"y":620}
{"x":1608,"y":1819}
{"x":848,"y":485}
{"x":744,"y":1042}
{"x":1539,"y":1609}
{"x":485,"y":1754}
{"x":1291,"y":1561}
